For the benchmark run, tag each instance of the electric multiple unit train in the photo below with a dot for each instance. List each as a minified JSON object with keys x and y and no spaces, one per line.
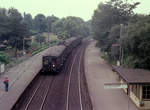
{"x":56,"y":56}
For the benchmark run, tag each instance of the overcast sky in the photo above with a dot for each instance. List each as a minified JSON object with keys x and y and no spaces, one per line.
{"x":63,"y":8}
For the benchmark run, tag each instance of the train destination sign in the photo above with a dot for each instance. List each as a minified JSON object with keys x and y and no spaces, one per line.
{"x":115,"y":86}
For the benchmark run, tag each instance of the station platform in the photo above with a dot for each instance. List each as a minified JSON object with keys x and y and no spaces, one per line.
{"x":19,"y":77}
{"x":98,"y":73}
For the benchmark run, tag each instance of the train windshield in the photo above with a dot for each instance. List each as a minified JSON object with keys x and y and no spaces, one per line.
{"x":46,"y":60}
{"x":53,"y":62}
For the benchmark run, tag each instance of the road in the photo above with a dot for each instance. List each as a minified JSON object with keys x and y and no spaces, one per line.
{"x":65,"y":91}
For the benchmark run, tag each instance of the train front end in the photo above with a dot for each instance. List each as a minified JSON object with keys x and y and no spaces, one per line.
{"x":49,"y":65}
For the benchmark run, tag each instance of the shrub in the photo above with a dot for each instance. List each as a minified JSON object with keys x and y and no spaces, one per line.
{"x":4,"y":58}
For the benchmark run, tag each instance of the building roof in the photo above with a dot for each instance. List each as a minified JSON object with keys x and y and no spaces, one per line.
{"x":55,"y":50}
{"x":133,"y":76}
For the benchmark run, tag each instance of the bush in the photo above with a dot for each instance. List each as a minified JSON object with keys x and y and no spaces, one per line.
{"x":4,"y":58}
{"x":54,"y":42}
{"x":34,"y":46}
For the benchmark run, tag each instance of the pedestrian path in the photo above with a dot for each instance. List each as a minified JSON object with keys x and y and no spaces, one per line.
{"x":98,"y":72}
{"x":19,"y":78}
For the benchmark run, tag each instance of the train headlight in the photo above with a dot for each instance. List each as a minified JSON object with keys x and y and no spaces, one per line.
{"x":53,"y":65}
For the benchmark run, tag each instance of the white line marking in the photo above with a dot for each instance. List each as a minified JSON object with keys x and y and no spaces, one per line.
{"x":46,"y":94}
{"x":79,"y":79}
{"x":33,"y":95}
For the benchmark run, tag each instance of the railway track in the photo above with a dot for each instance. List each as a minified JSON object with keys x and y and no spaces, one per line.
{"x":38,"y":97}
{"x":77,"y":61}
{"x":69,"y":81}
{"x":65,"y":91}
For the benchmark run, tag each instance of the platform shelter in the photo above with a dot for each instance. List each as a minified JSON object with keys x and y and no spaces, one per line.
{"x":138,"y":81}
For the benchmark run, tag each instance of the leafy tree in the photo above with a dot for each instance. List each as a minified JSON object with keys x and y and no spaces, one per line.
{"x":137,"y":43}
{"x":50,"y":20}
{"x":113,"y":12}
{"x":4,"y":25}
{"x":58,"y":28}
{"x":40,"y":23}
{"x":63,"y":35}
{"x":69,"y":27}
{"x":28,"y":21}
{"x":18,"y":29}
{"x":4,"y":58}
{"x":113,"y":37}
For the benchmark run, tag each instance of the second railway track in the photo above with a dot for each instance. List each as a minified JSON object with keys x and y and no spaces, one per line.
{"x":74,"y":99}
{"x":78,"y":81}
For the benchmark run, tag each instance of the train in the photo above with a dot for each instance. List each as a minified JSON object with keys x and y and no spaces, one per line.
{"x":54,"y":59}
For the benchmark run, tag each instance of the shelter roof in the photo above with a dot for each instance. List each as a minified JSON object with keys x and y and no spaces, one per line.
{"x":133,"y":75}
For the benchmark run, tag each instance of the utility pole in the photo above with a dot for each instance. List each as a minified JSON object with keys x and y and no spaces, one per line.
{"x":23,"y":46}
{"x":48,"y":36}
{"x":121,"y":48}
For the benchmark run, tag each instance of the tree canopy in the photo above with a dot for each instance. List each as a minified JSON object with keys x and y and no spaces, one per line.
{"x":115,"y":24}
{"x":70,"y":26}
{"x":14,"y":27}
{"x":109,"y":14}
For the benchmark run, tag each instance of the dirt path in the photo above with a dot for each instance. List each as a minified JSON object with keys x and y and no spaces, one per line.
{"x":97,"y":73}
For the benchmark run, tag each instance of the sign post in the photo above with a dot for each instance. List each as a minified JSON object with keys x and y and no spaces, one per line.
{"x":2,"y":68}
{"x":118,"y":86}
{"x":115,"y":86}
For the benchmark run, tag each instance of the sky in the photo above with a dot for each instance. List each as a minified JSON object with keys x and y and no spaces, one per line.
{"x":63,"y":8}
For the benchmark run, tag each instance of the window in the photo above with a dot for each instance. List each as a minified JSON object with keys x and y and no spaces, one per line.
{"x":146,"y":92}
{"x":45,"y":61}
{"x":138,"y":91}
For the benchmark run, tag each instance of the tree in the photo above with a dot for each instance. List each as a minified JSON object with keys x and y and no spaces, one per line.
{"x":4,"y":58}
{"x":18,"y":29}
{"x":40,"y":23}
{"x":137,"y":43}
{"x":28,"y":21}
{"x":113,"y":12}
{"x":69,"y":27}
{"x":58,"y":28}
{"x":4,"y":25}
{"x":49,"y":21}
{"x":74,"y":26}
